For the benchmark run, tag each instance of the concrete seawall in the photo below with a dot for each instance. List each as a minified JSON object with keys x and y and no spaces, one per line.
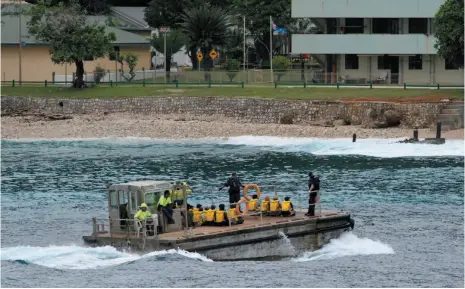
{"x":369,"y":114}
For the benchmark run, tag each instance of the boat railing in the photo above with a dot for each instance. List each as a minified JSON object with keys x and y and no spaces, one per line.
{"x":126,"y":227}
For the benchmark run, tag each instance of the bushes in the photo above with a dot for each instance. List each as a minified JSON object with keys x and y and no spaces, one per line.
{"x":99,"y":74}
{"x":232,"y":66}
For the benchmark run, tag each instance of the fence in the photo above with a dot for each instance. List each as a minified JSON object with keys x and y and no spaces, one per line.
{"x":261,"y":77}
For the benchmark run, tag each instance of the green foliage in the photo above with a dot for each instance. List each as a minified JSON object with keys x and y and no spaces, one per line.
{"x":112,"y":21}
{"x":131,"y":60}
{"x":206,"y":27}
{"x":175,"y":40}
{"x":70,"y":37}
{"x":449,"y":31}
{"x":99,"y":74}
{"x":93,"y":7}
{"x":232,"y":66}
{"x":280,"y":65}
{"x":162,"y":13}
{"x":235,"y":44}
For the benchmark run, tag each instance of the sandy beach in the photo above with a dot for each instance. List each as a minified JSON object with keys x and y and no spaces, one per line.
{"x":184,"y":127}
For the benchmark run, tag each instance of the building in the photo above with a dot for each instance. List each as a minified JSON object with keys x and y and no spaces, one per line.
{"x":34,"y":58}
{"x":388,"y":42}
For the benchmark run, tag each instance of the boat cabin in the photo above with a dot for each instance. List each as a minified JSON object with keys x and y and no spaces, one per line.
{"x":125,"y":199}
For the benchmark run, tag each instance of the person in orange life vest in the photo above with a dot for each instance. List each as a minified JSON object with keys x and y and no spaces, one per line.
{"x":252,"y":205}
{"x":209,"y":216}
{"x":265,"y":206}
{"x":287,"y":208}
{"x":221,"y":218}
{"x":275,"y":207}
{"x":232,"y":214}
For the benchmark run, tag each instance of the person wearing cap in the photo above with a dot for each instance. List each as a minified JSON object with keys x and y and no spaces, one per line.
{"x":234,"y":191}
{"x":164,"y":205}
{"x":313,"y":188}
{"x":144,"y":215}
{"x":275,"y":207}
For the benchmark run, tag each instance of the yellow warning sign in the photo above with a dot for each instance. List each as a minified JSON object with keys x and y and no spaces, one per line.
{"x":213,"y":54}
{"x":199,"y":56}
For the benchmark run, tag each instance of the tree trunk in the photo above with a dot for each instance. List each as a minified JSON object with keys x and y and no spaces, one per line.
{"x":193,"y":57}
{"x":78,"y":82}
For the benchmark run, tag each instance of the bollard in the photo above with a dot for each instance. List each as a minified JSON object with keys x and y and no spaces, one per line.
{"x":438,"y":129}
{"x":354,"y":138}
{"x":405,"y":85}
{"x":415,"y":133}
{"x":46,"y":83}
{"x":177,"y":83}
{"x":111,"y":83}
{"x":305,"y":84}
{"x":371,"y":85}
{"x":337,"y":85}
{"x":438,"y":85}
{"x":53,"y":77}
{"x":242,"y":84}
{"x":275,"y":84}
{"x":13,"y":83}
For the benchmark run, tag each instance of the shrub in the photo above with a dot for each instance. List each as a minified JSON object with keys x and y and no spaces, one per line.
{"x":232,"y":66}
{"x":99,"y":74}
{"x":280,"y":65}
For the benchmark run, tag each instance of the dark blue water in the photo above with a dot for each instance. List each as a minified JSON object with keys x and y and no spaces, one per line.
{"x":407,"y":202}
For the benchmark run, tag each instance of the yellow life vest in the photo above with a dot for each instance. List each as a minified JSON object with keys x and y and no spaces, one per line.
{"x":196,"y":215}
{"x":265,"y":206}
{"x":178,"y":195}
{"x":274,"y":205}
{"x":209,"y":214}
{"x":252,"y":205}
{"x":219,"y":216}
{"x":232,"y":214}
{"x":286,"y":206}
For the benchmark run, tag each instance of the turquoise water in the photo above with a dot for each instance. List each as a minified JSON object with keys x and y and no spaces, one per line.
{"x":407,"y":202}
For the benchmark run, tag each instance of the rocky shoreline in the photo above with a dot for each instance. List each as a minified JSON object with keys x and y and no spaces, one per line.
{"x":183,"y":126}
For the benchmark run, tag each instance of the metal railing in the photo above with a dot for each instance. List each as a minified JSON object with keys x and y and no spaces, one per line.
{"x":251,"y":77}
{"x":126,"y":227}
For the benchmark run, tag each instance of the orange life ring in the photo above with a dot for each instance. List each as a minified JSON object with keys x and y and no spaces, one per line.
{"x":247,"y":187}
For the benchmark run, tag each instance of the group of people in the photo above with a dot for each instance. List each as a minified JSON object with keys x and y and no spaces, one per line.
{"x":210,"y":216}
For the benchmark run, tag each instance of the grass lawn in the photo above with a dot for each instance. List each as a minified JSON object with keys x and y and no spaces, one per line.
{"x":315,"y":93}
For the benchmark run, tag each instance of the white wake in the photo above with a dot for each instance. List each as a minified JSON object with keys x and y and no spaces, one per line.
{"x":346,"y":245}
{"x":75,"y":257}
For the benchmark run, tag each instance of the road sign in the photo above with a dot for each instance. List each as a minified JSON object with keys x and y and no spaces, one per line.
{"x":164,"y":29}
{"x":213,"y":54}
{"x":199,"y":55}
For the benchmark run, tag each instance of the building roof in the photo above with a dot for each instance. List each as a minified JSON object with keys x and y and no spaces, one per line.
{"x":132,"y":15}
{"x":11,"y":23}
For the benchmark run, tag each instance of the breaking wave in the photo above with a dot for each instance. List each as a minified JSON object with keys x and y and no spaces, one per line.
{"x":79,"y":258}
{"x":382,"y":148}
{"x":346,"y":245}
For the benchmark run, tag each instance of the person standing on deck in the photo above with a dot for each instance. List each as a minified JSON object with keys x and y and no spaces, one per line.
{"x":164,"y":205}
{"x":234,"y":191}
{"x":313,"y":188}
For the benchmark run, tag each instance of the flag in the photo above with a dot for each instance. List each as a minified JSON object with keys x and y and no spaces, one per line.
{"x":278,"y":29}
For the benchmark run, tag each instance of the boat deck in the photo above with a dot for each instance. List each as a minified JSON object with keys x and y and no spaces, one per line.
{"x":249,"y":222}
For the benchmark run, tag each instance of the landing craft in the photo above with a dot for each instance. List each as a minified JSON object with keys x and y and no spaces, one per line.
{"x":258,"y":237}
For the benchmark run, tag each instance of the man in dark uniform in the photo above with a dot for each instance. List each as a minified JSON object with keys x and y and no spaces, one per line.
{"x":234,"y":191}
{"x":313,"y":188}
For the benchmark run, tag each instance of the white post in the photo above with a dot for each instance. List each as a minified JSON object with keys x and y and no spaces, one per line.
{"x":166,"y":58}
{"x":20,"y":43}
{"x":244,"y":50}
{"x":271,"y":49}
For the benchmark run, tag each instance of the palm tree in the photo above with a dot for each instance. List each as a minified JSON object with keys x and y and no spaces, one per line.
{"x":205,"y":27}
{"x":175,"y":40}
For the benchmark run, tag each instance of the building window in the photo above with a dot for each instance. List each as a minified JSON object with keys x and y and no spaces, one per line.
{"x":385,"y":26}
{"x":451,"y":65}
{"x":354,"y":26}
{"x":114,"y":53}
{"x":351,"y":61}
{"x":415,"y":62}
{"x":88,"y":58}
{"x":383,"y":62}
{"x":418,"y":25}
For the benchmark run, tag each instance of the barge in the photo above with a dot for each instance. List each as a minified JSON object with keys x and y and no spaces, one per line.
{"x":258,"y":237}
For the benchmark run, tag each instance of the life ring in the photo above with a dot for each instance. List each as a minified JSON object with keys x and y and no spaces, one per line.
{"x":238,"y":206}
{"x":247,"y":187}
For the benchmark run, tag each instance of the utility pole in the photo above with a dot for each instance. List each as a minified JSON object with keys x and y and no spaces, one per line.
{"x":244,"y":48}
{"x":271,"y":49}
{"x":20,"y":43}
{"x":166,"y":58}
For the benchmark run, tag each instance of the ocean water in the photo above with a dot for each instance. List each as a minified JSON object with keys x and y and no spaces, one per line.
{"x":407,"y":202}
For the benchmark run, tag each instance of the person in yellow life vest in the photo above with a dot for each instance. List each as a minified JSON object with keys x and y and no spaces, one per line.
{"x":232,"y":215}
{"x":275,"y":207}
{"x":197,"y":215}
{"x":287,"y":208}
{"x":209,"y":215}
{"x":188,"y":188}
{"x":265,"y":206}
{"x":252,"y":205}
{"x":164,"y":205}
{"x":221,"y":218}
{"x":178,"y":196}
{"x":144,"y":215}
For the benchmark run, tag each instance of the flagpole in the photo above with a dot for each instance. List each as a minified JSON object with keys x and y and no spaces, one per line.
{"x":244,"y":49}
{"x":271,"y":50}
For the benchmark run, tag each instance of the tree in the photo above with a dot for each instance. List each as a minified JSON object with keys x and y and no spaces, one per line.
{"x":131,"y":61}
{"x":205,"y":27}
{"x":70,"y":37}
{"x":93,"y":7}
{"x":280,"y":64}
{"x":449,"y":31}
{"x":257,"y":13}
{"x":175,"y":40}
{"x":232,"y":67}
{"x":162,"y":13}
